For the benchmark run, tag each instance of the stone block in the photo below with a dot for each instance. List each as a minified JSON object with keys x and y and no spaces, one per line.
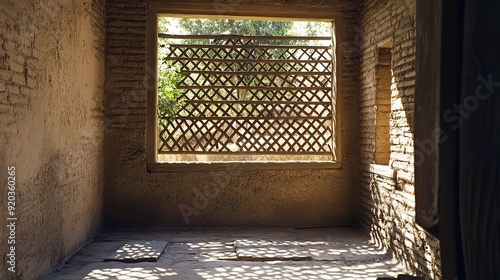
{"x":139,"y":251}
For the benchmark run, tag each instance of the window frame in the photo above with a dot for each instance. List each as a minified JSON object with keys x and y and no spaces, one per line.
{"x":240,"y":11}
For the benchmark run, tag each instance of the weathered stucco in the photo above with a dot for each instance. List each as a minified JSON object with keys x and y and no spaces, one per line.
{"x":134,"y":197}
{"x":51,"y":109}
{"x":73,"y":112}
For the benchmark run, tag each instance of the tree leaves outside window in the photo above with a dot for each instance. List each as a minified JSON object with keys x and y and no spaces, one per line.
{"x":169,"y":96}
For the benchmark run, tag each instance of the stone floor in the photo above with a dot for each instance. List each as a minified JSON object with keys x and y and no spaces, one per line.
{"x":228,"y":253}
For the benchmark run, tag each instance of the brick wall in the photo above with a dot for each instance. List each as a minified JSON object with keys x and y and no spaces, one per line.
{"x":387,"y":194}
{"x":135,"y":197}
{"x":51,"y":111}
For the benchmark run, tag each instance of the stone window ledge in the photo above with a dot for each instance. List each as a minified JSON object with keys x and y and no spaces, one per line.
{"x":383,"y":170}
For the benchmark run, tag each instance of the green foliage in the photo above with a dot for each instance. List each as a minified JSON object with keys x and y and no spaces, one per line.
{"x":169,"y":96}
{"x":236,"y":27}
{"x":165,"y":24}
{"x":318,"y":28}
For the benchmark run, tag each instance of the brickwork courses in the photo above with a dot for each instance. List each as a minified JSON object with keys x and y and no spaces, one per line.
{"x":388,"y":203}
{"x":136,"y":197}
{"x":73,"y":94}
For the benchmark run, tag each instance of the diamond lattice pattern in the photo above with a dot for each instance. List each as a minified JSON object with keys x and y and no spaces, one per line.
{"x":259,"y":95}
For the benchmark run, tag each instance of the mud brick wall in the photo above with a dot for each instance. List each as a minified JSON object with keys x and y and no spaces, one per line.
{"x":387,"y":201}
{"x":135,"y":197}
{"x":51,"y":122}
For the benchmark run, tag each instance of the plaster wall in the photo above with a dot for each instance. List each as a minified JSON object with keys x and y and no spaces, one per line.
{"x":51,"y":122}
{"x":234,"y":197}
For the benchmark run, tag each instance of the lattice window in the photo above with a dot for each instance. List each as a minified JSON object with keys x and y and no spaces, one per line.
{"x":249,"y":95}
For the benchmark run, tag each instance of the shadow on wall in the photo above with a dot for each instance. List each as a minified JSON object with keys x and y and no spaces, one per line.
{"x":45,"y":216}
{"x":405,"y":102}
{"x":394,"y":222}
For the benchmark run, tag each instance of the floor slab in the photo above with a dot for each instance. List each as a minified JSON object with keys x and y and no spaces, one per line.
{"x":235,"y":253}
{"x":135,"y":251}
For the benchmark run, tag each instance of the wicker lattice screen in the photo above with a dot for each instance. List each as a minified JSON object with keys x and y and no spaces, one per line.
{"x":250,"y":95}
